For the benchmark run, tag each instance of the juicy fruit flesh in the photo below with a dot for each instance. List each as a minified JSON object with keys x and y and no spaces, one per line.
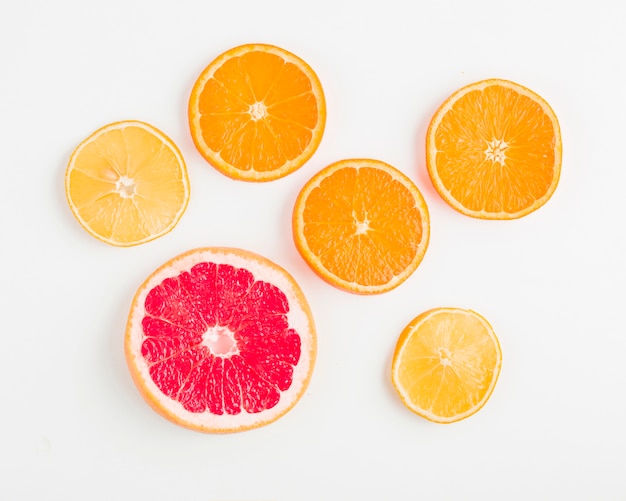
{"x":496,"y":150}
{"x":359,"y":232}
{"x":217,"y":340}
{"x":127,"y":185}
{"x":258,"y":111}
{"x":449,"y":365}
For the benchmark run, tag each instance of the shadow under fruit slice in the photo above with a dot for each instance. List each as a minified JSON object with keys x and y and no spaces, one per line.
{"x":446,"y":364}
{"x":361,"y":225}
{"x":257,"y":112}
{"x":127,"y":183}
{"x":220,"y":340}
{"x":493,"y":150}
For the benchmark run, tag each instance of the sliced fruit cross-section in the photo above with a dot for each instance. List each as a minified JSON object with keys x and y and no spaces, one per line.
{"x":362,"y":225}
{"x":493,"y":150}
{"x":220,"y":340}
{"x":127,"y":183}
{"x":446,"y":364}
{"x":257,"y":112}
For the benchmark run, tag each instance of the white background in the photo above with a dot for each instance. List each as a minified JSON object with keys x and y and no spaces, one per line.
{"x":73,"y":426}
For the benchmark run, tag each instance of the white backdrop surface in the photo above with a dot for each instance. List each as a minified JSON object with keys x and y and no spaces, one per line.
{"x":552,"y":284}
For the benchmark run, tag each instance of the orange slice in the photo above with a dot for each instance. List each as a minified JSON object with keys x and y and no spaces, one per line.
{"x":361,"y":225}
{"x":446,"y":364}
{"x":493,"y":150}
{"x":220,"y":340}
{"x":127,"y":183}
{"x":257,"y":112}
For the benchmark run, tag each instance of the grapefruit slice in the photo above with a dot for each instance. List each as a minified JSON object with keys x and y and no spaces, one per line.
{"x":220,"y":340}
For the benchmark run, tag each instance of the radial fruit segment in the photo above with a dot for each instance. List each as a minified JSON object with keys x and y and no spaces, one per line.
{"x":361,"y":225}
{"x":494,"y":150}
{"x":220,"y":340}
{"x":257,"y":112}
{"x":127,"y":183}
{"x":446,"y":364}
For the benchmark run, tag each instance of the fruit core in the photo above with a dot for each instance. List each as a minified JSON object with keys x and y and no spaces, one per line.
{"x":221,"y":341}
{"x":125,"y":187}
{"x":362,"y":224}
{"x":496,"y":151}
{"x":258,"y":110}
{"x":444,"y":356}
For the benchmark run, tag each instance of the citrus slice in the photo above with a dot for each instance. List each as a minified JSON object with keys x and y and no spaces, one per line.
{"x":361,"y":225}
{"x":493,"y":150}
{"x":220,"y":340}
{"x":127,"y":183}
{"x":257,"y":112}
{"x":446,"y":364}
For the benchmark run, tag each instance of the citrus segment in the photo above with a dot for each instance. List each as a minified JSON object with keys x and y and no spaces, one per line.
{"x":361,"y":225}
{"x":257,"y":112}
{"x":494,"y":150}
{"x":127,"y":183}
{"x":220,"y":340}
{"x":446,"y":364}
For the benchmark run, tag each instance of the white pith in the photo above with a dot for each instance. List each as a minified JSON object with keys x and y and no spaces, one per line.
{"x":496,"y":151}
{"x":258,"y":110}
{"x":125,"y":187}
{"x":361,"y":226}
{"x":220,"y":341}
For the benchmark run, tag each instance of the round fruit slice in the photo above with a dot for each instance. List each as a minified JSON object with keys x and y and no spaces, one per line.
{"x":257,"y":112}
{"x":493,"y":150}
{"x":220,"y":340}
{"x":127,"y":183}
{"x":361,"y":225}
{"x":446,"y":364}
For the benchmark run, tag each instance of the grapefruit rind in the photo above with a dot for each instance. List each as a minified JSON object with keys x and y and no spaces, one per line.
{"x":299,"y":317}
